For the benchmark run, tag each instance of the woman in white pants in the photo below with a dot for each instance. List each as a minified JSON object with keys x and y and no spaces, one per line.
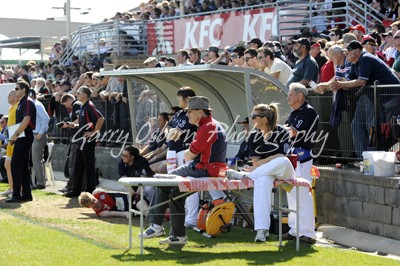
{"x":267,"y":148}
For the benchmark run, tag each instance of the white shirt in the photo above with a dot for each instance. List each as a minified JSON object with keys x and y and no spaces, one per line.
{"x":279,"y":66}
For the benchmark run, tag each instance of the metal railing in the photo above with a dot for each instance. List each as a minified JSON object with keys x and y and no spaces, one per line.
{"x":377,"y":130}
{"x":130,"y":38}
{"x":117,"y":118}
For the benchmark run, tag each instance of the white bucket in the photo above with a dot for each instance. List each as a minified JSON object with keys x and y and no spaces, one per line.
{"x":378,"y":163}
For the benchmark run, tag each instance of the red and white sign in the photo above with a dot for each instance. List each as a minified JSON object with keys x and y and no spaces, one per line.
{"x":225,"y":29}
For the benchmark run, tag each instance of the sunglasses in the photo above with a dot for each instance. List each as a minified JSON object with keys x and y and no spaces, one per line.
{"x":233,"y":56}
{"x":396,"y":37}
{"x":18,"y":88}
{"x":260,"y":58}
{"x":254,"y":116}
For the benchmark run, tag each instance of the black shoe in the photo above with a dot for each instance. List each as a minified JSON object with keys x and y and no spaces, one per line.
{"x":308,"y":240}
{"x":64,"y":190}
{"x":38,"y":187}
{"x":287,"y":236}
{"x":71,"y":194}
{"x":13,"y":199}
{"x":26,"y":198}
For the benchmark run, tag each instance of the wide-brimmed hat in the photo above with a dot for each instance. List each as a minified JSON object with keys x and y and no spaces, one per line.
{"x":199,"y":103}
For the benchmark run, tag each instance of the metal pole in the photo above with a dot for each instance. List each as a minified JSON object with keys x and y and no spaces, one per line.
{"x":68,"y":18}
{"x":132,"y":109}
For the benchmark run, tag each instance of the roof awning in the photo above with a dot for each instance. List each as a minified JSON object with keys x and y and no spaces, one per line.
{"x":233,"y":91}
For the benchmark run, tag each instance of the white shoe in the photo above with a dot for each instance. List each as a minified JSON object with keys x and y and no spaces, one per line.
{"x":6,"y":193}
{"x":232,"y":174}
{"x":262,"y":236}
{"x":174,"y":240}
{"x":152,"y":232}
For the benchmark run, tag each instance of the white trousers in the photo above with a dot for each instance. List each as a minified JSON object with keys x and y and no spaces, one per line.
{"x":191,"y":202}
{"x":307,"y":219}
{"x":263,"y":177}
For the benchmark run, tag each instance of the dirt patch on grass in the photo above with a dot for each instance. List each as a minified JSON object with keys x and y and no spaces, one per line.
{"x":50,"y":206}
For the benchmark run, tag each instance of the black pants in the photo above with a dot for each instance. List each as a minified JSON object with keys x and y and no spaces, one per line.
{"x":85,"y":166}
{"x":3,"y":170}
{"x":20,"y":167}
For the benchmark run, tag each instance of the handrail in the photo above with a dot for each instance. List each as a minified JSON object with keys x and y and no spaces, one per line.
{"x":87,"y":38}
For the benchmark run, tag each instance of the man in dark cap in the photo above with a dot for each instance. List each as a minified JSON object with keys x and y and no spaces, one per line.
{"x":207,"y":155}
{"x":366,"y":69}
{"x":306,"y":68}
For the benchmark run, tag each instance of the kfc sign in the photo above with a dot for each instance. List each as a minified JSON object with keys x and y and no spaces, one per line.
{"x":224,"y":29}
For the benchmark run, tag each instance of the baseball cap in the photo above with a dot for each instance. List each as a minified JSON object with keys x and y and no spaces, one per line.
{"x":359,"y":28}
{"x":213,"y":48}
{"x":245,"y":121}
{"x":367,"y":39}
{"x":387,"y":34}
{"x":354,"y":45}
{"x":315,"y":44}
{"x":303,"y":41}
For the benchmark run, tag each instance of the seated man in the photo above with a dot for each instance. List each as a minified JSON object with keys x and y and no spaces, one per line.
{"x":134,"y":165}
{"x":207,"y":155}
{"x":109,"y":204}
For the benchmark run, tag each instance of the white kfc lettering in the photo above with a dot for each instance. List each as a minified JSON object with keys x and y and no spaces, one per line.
{"x":205,"y":35}
{"x":263,"y":20}
{"x":190,"y":39}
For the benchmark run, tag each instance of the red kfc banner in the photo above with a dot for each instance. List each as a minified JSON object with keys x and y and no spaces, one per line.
{"x":160,"y":37}
{"x":225,"y":29}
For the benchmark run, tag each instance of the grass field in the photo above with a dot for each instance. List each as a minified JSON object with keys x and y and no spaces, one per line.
{"x":54,"y":230}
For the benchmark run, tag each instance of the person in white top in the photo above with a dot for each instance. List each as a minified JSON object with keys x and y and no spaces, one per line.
{"x":272,"y":65}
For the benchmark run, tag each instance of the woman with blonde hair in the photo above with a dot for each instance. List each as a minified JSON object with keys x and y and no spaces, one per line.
{"x":268,"y":145}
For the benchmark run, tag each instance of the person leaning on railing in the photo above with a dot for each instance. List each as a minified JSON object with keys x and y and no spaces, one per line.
{"x":366,"y":69}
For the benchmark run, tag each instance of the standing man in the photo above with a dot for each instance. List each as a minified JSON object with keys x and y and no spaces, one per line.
{"x":73,"y":107}
{"x":302,"y":120}
{"x":39,"y":142}
{"x":207,"y":151}
{"x":90,"y":123}
{"x":306,"y":68}
{"x":365,"y":70}
{"x":26,"y":117}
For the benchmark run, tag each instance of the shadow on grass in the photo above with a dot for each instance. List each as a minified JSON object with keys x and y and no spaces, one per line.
{"x":10,"y":206}
{"x":177,"y":253}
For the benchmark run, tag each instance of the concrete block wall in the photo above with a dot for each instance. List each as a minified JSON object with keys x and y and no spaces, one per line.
{"x":105,"y":160}
{"x":366,"y":203}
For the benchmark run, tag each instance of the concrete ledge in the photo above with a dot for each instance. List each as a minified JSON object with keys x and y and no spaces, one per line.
{"x":362,"y":241}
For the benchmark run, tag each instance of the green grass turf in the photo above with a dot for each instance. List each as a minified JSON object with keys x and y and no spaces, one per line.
{"x":32,"y":238}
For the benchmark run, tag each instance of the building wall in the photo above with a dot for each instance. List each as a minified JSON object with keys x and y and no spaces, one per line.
{"x":11,"y":27}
